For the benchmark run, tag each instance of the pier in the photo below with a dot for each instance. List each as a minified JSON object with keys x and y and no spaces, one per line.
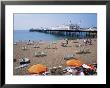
{"x":70,"y":33}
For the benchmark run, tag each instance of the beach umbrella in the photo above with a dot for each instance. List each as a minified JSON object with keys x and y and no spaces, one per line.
{"x":37,"y":69}
{"x":74,"y":62}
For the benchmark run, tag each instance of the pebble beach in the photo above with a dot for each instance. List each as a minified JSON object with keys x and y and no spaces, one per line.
{"x":55,"y":53}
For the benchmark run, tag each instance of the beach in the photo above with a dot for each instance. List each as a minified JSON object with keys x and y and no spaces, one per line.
{"x":55,"y":53}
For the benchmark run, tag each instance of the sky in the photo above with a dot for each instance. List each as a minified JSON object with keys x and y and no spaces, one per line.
{"x":48,"y":20}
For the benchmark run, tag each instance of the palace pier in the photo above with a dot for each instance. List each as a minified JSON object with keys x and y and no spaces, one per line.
{"x":70,"y":33}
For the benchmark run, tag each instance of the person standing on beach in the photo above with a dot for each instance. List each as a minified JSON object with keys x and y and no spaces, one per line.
{"x":90,"y":41}
{"x":66,"y":41}
{"x":85,"y":42}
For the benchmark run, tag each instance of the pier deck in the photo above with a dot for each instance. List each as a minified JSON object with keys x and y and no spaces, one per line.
{"x":71,"y":33}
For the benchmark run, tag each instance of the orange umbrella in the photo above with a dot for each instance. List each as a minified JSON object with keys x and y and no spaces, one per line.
{"x":37,"y":69}
{"x":74,"y":62}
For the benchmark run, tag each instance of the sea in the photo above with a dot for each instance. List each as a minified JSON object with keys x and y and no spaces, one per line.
{"x":25,"y":35}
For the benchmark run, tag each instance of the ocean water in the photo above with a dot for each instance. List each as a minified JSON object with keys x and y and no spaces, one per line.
{"x":34,"y":36}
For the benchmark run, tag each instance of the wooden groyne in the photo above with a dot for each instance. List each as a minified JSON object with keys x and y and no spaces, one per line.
{"x":71,"y":33}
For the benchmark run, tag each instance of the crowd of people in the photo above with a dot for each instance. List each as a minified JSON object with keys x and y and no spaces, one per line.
{"x":87,"y":41}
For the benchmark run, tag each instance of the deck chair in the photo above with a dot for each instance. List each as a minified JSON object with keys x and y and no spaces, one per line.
{"x":40,"y":54}
{"x":48,"y":47}
{"x":24,"y":48}
{"x":15,"y":43}
{"x":69,"y":56}
{"x":21,"y":66}
{"x":36,"y":46}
